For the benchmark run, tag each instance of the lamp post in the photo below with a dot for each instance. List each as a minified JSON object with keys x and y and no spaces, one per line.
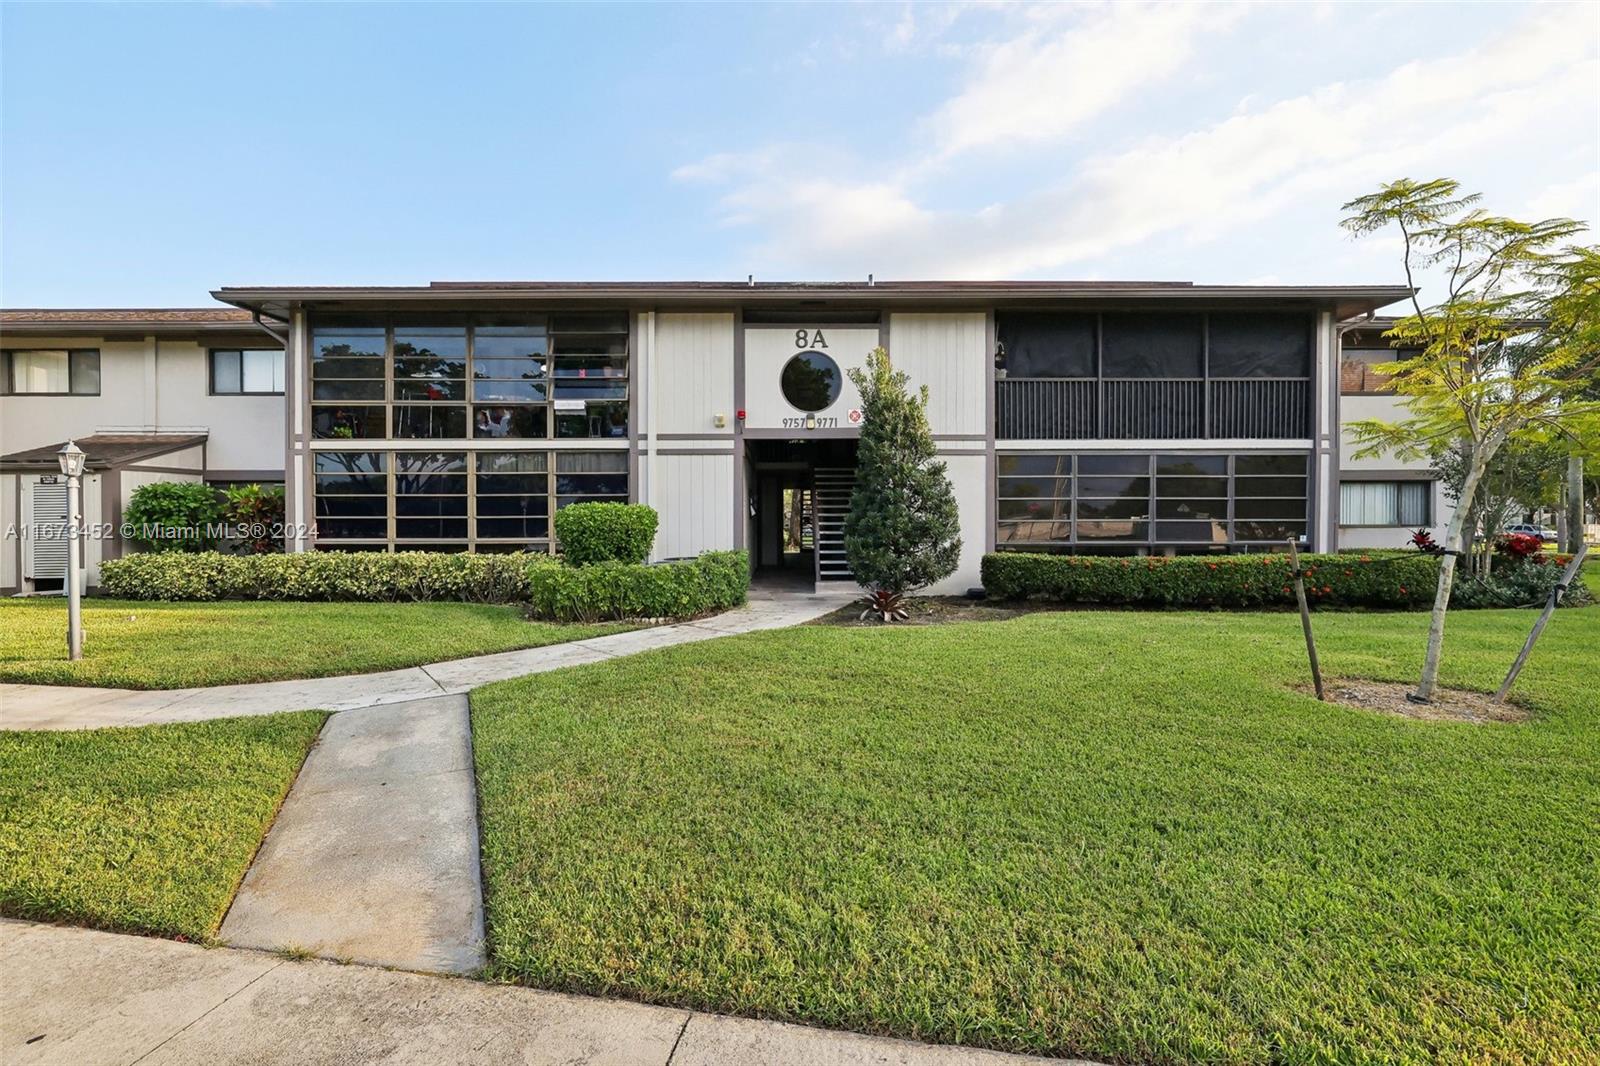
{"x":72,"y":458}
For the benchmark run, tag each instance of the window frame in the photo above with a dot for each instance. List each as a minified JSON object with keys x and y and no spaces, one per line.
{"x":556,"y":460}
{"x":211,"y":372}
{"x":586,"y":330}
{"x":1428,"y":502}
{"x":9,"y":382}
{"x":1071,"y":476}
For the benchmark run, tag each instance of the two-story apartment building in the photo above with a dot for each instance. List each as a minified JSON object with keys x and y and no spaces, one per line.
{"x":151,"y":395}
{"x":1083,"y":417}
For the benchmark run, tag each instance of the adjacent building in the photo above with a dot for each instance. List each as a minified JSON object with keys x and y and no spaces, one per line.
{"x":1076,"y":417}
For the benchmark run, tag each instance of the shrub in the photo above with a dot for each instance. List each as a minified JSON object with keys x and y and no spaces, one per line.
{"x":1201,"y":581}
{"x":174,"y":516}
{"x":257,"y":513}
{"x":605,"y":532}
{"x":1525,"y":581}
{"x":373,"y":576}
{"x":613,"y":590}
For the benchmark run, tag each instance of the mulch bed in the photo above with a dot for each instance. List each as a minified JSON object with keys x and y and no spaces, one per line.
{"x":1449,"y":704}
{"x":931,"y":611}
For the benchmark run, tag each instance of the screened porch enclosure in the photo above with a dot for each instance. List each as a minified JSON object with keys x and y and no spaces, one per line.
{"x":1153,"y":376}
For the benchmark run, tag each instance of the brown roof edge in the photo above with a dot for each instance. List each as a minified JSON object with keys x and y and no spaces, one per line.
{"x":105,"y":450}
{"x":1343,"y":300}
{"x":128,"y":321}
{"x":123,"y":314}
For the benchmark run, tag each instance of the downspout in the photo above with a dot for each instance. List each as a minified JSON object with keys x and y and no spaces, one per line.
{"x":282,"y":338}
{"x":651,"y":407}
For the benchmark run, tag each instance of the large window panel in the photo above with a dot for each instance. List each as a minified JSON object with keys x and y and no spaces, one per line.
{"x":591,"y":476}
{"x":1048,"y":345}
{"x":1152,"y":346}
{"x":1259,"y":345}
{"x":348,"y":421}
{"x":1033,"y":532}
{"x":352,"y":501}
{"x":1385,"y":503}
{"x":1096,"y":501}
{"x":513,"y":490}
{"x":589,"y":365}
{"x":430,"y":421}
{"x":58,"y":371}
{"x":430,"y":495}
{"x":246,"y":371}
{"x":347,"y":364}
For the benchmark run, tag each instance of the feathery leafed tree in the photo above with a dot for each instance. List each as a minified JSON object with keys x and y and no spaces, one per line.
{"x":1509,"y":352}
{"x":903,"y":529}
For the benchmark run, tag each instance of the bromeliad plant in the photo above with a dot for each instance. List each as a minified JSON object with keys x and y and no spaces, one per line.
{"x":903,"y":529}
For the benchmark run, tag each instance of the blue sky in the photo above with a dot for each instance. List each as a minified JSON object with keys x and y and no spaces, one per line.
{"x":149,"y":153}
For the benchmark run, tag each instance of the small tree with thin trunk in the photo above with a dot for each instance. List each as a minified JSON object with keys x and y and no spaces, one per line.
{"x":903,"y":529}
{"x":1507,"y":354}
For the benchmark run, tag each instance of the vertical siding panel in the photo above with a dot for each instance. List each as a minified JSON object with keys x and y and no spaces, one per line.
{"x":945,"y":351}
{"x":694,"y":370}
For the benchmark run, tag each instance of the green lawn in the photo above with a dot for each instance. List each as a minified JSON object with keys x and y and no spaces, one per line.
{"x":1111,"y":834}
{"x":146,"y":830}
{"x":175,"y":645}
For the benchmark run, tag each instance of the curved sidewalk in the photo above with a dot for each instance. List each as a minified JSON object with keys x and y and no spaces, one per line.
{"x":71,"y":707}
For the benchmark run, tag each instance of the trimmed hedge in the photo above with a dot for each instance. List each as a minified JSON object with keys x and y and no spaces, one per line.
{"x":1346,"y":580}
{"x":608,"y":591}
{"x":398,"y":576}
{"x":605,"y":532}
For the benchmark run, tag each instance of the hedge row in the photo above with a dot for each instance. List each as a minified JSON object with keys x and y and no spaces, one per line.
{"x":397,"y":576}
{"x":604,"y":591}
{"x":1222,"y":581}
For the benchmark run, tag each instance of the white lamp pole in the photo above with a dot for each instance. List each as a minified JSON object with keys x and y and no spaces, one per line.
{"x":72,"y":459}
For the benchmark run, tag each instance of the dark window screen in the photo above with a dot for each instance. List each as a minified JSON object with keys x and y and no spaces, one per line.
{"x":1260,"y":346}
{"x":1048,"y":346}
{"x":1152,"y":346}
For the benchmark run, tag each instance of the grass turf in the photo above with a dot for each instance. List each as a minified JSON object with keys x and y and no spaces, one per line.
{"x":176,"y":645}
{"x":1112,"y":834}
{"x":143,"y":829}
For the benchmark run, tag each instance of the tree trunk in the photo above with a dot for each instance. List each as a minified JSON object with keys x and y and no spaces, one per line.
{"x":1447,"y":575}
{"x":1574,"y":504}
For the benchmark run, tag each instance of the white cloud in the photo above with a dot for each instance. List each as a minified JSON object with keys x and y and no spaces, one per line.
{"x":1525,"y":91}
{"x":1049,"y":80}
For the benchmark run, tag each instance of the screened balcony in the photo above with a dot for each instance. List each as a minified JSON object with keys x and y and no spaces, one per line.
{"x":1153,"y":376}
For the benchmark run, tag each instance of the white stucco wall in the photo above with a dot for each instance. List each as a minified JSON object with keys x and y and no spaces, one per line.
{"x":149,"y":385}
{"x":1382,"y":467}
{"x":969,"y":479}
{"x":9,"y":532}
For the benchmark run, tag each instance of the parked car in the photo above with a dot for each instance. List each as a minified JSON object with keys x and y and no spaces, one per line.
{"x":1542,"y":532}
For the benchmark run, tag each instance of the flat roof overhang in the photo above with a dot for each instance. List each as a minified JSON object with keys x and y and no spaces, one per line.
{"x":1344,"y":301}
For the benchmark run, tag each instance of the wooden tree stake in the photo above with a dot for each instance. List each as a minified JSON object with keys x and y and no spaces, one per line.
{"x":1305,"y":619}
{"x":1544,"y":616}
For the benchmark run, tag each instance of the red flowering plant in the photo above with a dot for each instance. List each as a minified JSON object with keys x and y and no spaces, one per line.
{"x":1519,"y":546}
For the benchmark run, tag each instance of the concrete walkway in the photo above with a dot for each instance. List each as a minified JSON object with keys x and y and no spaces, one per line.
{"x":83,"y":998}
{"x":66,"y":707}
{"x":374,"y":857}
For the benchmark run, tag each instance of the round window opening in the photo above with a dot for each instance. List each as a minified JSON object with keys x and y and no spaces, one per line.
{"x":811,"y":381}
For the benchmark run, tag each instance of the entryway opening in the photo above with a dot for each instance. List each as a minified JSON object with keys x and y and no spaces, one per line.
{"x":799,"y":495}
